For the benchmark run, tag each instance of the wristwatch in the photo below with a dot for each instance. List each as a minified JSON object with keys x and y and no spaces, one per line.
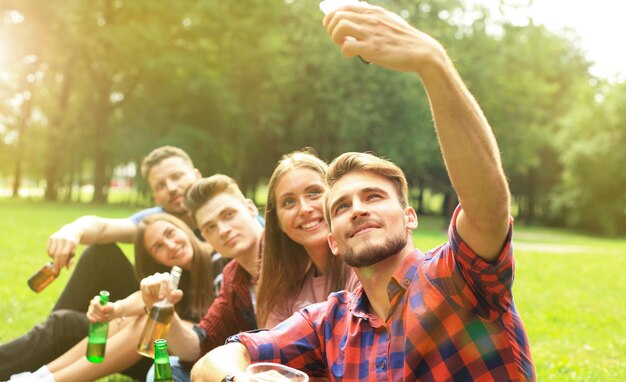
{"x":230,"y":377}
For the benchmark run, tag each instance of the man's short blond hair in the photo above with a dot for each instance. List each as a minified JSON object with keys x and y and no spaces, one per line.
{"x":205,"y":189}
{"x":159,"y":154}
{"x":353,"y":161}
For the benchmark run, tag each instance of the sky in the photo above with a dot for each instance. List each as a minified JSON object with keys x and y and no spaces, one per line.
{"x":600,"y":24}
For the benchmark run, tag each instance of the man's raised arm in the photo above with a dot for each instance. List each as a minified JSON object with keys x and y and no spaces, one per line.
{"x":88,"y":230}
{"x":467,"y":142}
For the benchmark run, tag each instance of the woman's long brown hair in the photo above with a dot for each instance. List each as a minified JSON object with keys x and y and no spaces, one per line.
{"x":198,"y":291}
{"x":285,"y":263}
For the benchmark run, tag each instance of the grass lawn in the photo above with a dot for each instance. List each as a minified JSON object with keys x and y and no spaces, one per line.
{"x":567,"y":287}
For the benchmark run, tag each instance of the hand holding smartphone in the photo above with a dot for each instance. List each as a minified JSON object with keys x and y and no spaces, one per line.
{"x":328,"y":6}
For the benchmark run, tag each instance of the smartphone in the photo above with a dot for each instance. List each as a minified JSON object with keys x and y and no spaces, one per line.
{"x":328,"y":6}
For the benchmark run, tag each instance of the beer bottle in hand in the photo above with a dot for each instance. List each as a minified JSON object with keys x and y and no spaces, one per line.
{"x":98,"y":335}
{"x":159,"y":319}
{"x":42,"y":278}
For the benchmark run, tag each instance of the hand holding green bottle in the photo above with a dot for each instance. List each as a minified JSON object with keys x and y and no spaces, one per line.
{"x":98,"y":332}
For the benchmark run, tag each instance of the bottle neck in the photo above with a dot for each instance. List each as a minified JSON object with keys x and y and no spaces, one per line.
{"x":172,"y":285}
{"x":162,"y":303}
{"x":104,"y":297}
{"x":161,"y":354}
{"x":162,"y":368}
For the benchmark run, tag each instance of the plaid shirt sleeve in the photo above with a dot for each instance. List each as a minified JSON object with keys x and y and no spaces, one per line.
{"x":462,"y":275}
{"x":294,"y":342}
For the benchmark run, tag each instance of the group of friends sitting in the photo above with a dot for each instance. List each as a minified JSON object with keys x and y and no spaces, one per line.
{"x":327,"y":280}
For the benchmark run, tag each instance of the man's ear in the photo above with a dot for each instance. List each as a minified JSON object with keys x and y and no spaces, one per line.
{"x":197,"y":173}
{"x":410,"y":218}
{"x":333,"y":244}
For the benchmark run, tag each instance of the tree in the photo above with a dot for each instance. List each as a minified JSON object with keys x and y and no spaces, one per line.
{"x":592,"y":192}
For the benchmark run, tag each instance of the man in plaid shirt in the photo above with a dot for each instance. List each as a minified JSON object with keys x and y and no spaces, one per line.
{"x":444,"y":315}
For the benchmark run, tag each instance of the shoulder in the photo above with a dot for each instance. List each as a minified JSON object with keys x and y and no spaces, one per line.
{"x":335,"y":311}
{"x":342,"y":296}
{"x":235,"y":277}
{"x":342,"y":300}
{"x":138,"y":216}
{"x":230,"y":270}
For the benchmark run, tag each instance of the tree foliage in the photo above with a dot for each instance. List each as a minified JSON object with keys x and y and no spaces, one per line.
{"x":90,"y":85}
{"x":592,"y":193}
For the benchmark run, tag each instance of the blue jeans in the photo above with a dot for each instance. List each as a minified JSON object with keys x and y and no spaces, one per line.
{"x":179,"y":372}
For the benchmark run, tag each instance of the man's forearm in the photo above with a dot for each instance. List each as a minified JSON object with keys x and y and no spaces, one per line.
{"x":98,"y":230}
{"x":182,"y":340}
{"x":468,"y":145}
{"x":87,"y":230}
{"x":232,"y":359}
{"x":472,"y":159}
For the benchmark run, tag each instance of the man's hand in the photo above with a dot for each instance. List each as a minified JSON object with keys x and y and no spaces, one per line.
{"x":62,"y":246}
{"x":469,"y":149}
{"x":156,"y":287}
{"x":87,"y":230}
{"x":382,"y":37}
{"x":232,"y":358}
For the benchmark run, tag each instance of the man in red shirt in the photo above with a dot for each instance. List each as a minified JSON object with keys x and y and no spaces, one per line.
{"x":229,"y":222}
{"x":444,"y":315}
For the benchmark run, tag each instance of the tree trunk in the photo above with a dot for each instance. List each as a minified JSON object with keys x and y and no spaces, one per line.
{"x":70,"y":184}
{"x":17,"y":173}
{"x":450,"y":201}
{"x":100,"y":152}
{"x":530,"y":187}
{"x":58,"y":130}
{"x":80,"y":182}
{"x":99,"y":173}
{"x":420,"y":201}
{"x":22,"y":127}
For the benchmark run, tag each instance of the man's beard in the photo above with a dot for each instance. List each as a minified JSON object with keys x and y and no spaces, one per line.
{"x":373,"y":254}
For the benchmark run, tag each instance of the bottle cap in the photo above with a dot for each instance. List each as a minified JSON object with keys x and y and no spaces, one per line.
{"x":104,"y":297}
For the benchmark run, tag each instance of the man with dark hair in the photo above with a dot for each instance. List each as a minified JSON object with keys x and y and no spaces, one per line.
{"x":444,"y":315}
{"x":229,"y":222}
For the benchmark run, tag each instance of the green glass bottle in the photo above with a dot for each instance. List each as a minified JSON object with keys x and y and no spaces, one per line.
{"x":162,"y":368}
{"x":98,"y":335}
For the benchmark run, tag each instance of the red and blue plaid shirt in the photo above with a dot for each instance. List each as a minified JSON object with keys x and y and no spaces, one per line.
{"x":452,"y":318}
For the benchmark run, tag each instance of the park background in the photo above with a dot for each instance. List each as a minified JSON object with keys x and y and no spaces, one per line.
{"x":87,"y":88}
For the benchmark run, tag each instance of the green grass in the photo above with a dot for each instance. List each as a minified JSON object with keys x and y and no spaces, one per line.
{"x":572,"y":295}
{"x":24,"y":230}
{"x":568,"y":287}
